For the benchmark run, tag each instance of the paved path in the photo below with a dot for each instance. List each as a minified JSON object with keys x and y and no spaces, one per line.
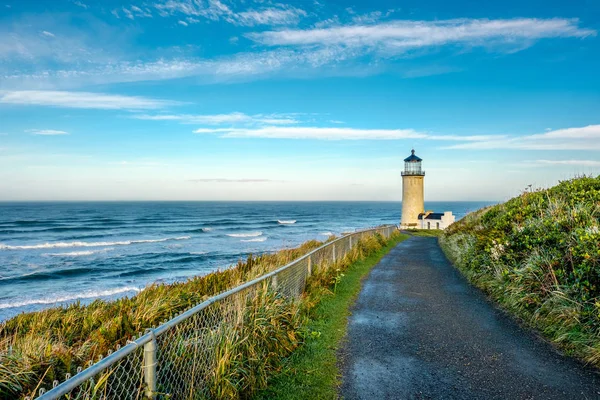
{"x":420,"y":331}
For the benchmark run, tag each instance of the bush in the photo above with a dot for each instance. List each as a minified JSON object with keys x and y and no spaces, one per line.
{"x":539,"y":256}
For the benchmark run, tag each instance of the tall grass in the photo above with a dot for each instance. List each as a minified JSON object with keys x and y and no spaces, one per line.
{"x":538,"y":255}
{"x":37,"y":348}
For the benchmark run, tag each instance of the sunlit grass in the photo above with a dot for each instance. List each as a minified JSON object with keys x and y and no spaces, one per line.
{"x":37,"y":348}
{"x":538,"y":255}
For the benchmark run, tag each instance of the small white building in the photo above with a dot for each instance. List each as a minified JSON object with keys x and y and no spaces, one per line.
{"x":431,"y":220}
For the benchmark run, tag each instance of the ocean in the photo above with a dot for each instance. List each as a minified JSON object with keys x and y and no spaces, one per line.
{"x":58,"y":253}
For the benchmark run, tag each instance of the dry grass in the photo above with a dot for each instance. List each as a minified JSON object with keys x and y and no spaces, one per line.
{"x":37,"y":348}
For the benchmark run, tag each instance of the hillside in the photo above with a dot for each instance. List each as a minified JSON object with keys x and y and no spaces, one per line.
{"x":538,"y":256}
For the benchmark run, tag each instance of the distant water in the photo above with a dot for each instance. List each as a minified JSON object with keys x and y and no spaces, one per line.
{"x":58,"y":253}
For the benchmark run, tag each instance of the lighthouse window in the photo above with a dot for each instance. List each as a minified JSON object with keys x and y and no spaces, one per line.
{"x":437,"y":225}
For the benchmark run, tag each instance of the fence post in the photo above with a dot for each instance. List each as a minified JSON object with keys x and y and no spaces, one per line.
{"x":309,"y":265}
{"x":350,"y":242}
{"x":274,"y":282}
{"x":150,"y":366}
{"x":333,"y":251}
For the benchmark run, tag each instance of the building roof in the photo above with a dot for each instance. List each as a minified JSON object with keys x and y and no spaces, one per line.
{"x":436,"y":216}
{"x":412,"y":157}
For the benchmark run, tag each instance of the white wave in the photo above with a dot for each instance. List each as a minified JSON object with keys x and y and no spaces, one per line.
{"x":78,"y":253}
{"x":288,"y":222}
{"x":61,"y":245}
{"x":260,"y":239}
{"x":207,"y":229}
{"x":71,"y":297}
{"x":326,"y":234}
{"x":241,"y":235}
{"x":197,"y":253}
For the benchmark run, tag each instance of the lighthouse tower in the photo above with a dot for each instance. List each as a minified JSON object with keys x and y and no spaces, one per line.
{"x":413,"y":202}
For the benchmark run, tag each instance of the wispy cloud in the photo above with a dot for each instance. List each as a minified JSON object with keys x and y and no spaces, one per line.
{"x":283,"y":132}
{"x":583,"y":163}
{"x":46,"y":132}
{"x":579,"y":138}
{"x":334,"y":50}
{"x":81,"y":100}
{"x":49,"y":34}
{"x":183,"y":23}
{"x":228,"y":180}
{"x":215,"y":10}
{"x":137,"y":163}
{"x":132,"y":12}
{"x":80,"y":4}
{"x":269,"y":16}
{"x":400,"y":36}
{"x":234,"y":118}
{"x":336,"y":133}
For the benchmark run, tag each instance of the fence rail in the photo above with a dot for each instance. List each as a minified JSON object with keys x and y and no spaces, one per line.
{"x":175,"y":360}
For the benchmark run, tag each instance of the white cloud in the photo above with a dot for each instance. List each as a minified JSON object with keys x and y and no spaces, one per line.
{"x":336,"y":51}
{"x":128,"y":13}
{"x":336,"y":133}
{"x":49,"y":34}
{"x":46,"y":132}
{"x":581,"y":138}
{"x":268,"y":16}
{"x":80,"y":4}
{"x":234,"y":118}
{"x":400,"y":36}
{"x":81,"y":100}
{"x":584,"y":163}
{"x":280,"y":132}
{"x":214,"y":10}
{"x":228,"y":180}
{"x":183,"y":23}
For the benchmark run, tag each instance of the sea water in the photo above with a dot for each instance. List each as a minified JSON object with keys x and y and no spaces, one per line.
{"x":58,"y":253}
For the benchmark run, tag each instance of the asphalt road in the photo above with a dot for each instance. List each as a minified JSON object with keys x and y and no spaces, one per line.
{"x":420,"y":331}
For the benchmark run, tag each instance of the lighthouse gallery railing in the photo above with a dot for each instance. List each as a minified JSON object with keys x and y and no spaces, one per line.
{"x":174,"y":359}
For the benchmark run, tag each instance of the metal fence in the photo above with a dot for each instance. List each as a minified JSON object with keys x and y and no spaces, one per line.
{"x":177,"y":359}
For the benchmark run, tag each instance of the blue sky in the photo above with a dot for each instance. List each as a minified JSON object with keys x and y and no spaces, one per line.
{"x":310,"y":100}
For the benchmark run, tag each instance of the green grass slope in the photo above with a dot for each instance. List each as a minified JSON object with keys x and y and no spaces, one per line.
{"x":538,"y":255}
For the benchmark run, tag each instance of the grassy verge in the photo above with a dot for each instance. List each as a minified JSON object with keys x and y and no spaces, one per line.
{"x":312,"y":372}
{"x":425,"y":232}
{"x":268,"y":327}
{"x":538,"y":256}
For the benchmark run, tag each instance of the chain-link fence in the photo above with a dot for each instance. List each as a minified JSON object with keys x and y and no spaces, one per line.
{"x":181,"y":358}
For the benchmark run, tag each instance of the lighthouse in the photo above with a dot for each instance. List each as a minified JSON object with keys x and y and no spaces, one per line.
{"x":413,"y":203}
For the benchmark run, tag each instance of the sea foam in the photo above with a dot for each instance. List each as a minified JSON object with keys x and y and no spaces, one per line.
{"x":78,"y":253}
{"x":243,"y":235}
{"x":260,"y":239}
{"x":79,"y":296}
{"x":288,"y":222}
{"x":60,"y":245}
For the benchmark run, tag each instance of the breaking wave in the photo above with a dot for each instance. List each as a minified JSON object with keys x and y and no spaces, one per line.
{"x":288,"y":222}
{"x":78,"y":253}
{"x":71,"y":297}
{"x":60,"y":245}
{"x":260,"y":239}
{"x":243,"y":235}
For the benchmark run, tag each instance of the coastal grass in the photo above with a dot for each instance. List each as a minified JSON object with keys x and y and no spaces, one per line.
{"x":38,"y":348}
{"x":425,"y":232}
{"x":538,"y":256}
{"x":312,"y":371}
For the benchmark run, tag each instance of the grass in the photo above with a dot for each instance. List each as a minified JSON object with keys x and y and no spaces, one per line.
{"x":425,"y":232}
{"x":312,"y":371}
{"x":37,"y":348}
{"x":538,"y":257}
